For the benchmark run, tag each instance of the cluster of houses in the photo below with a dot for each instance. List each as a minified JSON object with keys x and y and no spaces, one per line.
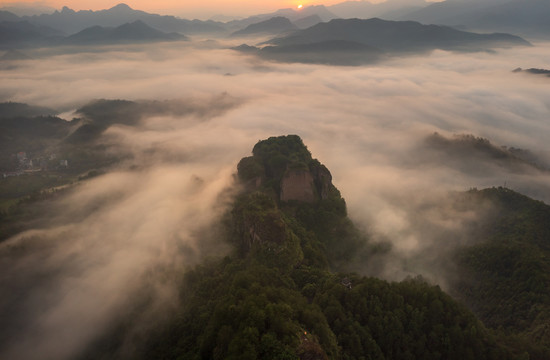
{"x":27,"y":164}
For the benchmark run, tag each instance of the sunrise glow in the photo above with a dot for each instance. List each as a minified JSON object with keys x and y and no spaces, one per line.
{"x":300,"y":6}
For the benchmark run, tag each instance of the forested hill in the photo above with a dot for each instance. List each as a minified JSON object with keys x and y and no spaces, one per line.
{"x":277,"y":296}
{"x":505,"y":277}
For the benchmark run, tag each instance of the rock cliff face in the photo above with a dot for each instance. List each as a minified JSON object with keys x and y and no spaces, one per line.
{"x":284,"y":166}
{"x":306,"y":185}
{"x":281,"y":176}
{"x":323,"y":180}
{"x":298,"y":185}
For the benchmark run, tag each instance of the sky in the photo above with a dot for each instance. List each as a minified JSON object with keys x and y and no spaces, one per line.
{"x":187,"y":9}
{"x":181,"y":8}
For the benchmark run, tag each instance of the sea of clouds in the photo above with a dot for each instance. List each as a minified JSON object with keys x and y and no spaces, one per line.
{"x":135,"y":228}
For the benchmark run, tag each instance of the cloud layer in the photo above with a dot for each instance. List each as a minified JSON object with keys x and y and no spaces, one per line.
{"x":137,"y":226}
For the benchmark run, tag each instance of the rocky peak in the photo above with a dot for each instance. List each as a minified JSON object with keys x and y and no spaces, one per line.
{"x":284,"y":167}
{"x":121,"y":7}
{"x":67,"y":10}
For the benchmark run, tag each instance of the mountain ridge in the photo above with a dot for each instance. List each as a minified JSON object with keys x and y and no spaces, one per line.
{"x":272,"y":26}
{"x":71,"y":21}
{"x":524,"y":17}
{"x":359,"y":41}
{"x":278,"y":297}
{"x":394,"y":35}
{"x":134,"y":32}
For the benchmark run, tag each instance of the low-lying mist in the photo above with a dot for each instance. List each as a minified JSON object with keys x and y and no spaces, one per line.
{"x":150,"y":217}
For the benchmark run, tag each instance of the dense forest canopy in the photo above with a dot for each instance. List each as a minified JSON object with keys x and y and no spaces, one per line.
{"x":283,"y":291}
{"x":280,"y":296}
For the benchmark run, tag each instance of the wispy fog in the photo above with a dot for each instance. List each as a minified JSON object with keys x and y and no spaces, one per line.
{"x":130,"y":230}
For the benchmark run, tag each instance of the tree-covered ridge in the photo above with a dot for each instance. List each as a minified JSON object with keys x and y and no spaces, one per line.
{"x":242,"y":309}
{"x":505,"y":278}
{"x":278,"y":156}
{"x":277,"y":297}
{"x":462,"y":147}
{"x":322,"y":225}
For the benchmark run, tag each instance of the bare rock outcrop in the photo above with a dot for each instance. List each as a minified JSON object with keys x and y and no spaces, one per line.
{"x":298,"y":185}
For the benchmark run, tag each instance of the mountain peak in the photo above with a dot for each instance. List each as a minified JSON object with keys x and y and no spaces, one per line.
{"x":283,"y":165}
{"x":120,"y":7}
{"x":280,"y":180}
{"x":67,"y":10}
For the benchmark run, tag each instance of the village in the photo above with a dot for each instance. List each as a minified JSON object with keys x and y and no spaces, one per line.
{"x":31,"y":164}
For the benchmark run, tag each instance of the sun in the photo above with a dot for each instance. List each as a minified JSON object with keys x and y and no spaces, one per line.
{"x":300,"y":6}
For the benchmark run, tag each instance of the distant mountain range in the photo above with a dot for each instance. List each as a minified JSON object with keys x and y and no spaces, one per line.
{"x":388,"y":10}
{"x":8,"y":16}
{"x":524,"y":17}
{"x":16,"y":34}
{"x":68,"y":21}
{"x":398,"y":36}
{"x":95,"y":27}
{"x":24,"y":34}
{"x":308,"y":21}
{"x":457,"y":152}
{"x":330,"y":52}
{"x":134,"y":32}
{"x":363,"y":41}
{"x":273,"y":25}
{"x":318,"y":12}
{"x":277,"y":25}
{"x":533,"y":71}
{"x":28,"y":8}
{"x":13,"y":109}
{"x":71,"y":21}
{"x":511,"y":16}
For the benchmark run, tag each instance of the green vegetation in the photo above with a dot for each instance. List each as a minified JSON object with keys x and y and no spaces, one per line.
{"x":244,"y":309}
{"x":277,"y":297}
{"x":39,"y":153}
{"x":23,"y":185}
{"x":505,"y":278}
{"x":466,"y":146}
{"x":25,"y":212}
{"x":323,"y":226}
{"x":283,"y":292}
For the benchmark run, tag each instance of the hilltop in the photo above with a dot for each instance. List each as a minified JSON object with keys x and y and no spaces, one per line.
{"x":279,"y":295}
{"x":135,"y":32}
{"x":504,"y":276}
{"x":357,"y":41}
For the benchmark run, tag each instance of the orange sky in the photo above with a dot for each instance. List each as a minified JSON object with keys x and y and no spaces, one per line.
{"x":184,"y":8}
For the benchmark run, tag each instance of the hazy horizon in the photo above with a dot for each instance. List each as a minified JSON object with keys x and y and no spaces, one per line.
{"x":203,"y":10}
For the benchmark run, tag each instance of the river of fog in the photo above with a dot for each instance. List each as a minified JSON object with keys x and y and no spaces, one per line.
{"x":368,"y":125}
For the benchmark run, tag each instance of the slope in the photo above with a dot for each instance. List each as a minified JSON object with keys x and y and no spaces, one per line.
{"x":72,"y":21}
{"x":398,"y":36}
{"x":505,"y":277}
{"x":525,"y":17}
{"x":356,"y":41}
{"x":135,"y":32}
{"x":272,"y":26}
{"x":277,"y":296}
